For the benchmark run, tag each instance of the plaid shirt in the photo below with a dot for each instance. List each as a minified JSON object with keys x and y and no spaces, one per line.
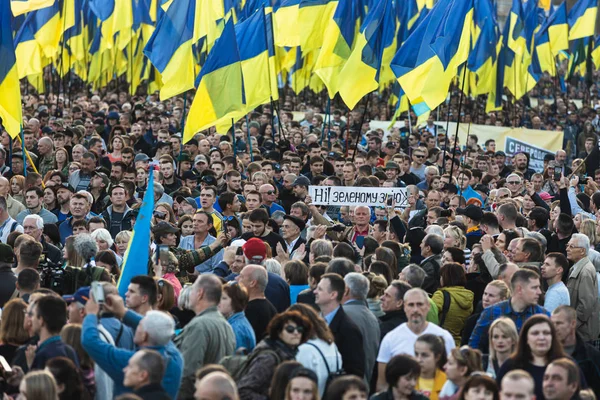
{"x":479,"y":337}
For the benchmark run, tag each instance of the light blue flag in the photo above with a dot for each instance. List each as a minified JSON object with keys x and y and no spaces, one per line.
{"x":138,"y":250}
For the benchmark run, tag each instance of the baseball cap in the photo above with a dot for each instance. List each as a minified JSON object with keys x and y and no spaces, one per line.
{"x":192,"y":142}
{"x":102,"y":175}
{"x":471,"y":211}
{"x":301,"y":181}
{"x":164,"y":227}
{"x":66,"y":185}
{"x":82,"y":295}
{"x":500,"y":154}
{"x":190,"y":175}
{"x":199,"y":158}
{"x":392,"y":165}
{"x":546,"y":196}
{"x":113,"y":115}
{"x":255,"y":250}
{"x":482,"y":188}
{"x":188,"y":200}
{"x":6,"y":254}
{"x":209,"y":180}
{"x":141,"y":157}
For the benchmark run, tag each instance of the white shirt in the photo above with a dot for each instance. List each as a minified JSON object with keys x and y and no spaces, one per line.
{"x":310,"y":358}
{"x":5,"y":229}
{"x":402,"y":340}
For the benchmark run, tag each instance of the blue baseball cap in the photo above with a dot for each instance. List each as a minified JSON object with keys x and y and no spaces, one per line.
{"x":82,"y":295}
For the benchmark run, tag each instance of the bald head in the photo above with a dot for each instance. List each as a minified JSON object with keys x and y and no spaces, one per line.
{"x":254,"y":277}
{"x":4,"y":186}
{"x":216,"y":386}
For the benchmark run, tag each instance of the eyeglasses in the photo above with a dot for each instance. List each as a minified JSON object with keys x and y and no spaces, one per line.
{"x":513,"y":182}
{"x":270,"y":192}
{"x":419,"y":155}
{"x":570,"y":246}
{"x":292,"y":329}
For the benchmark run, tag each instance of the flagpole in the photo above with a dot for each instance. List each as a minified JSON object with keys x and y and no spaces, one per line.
{"x":233,"y":140}
{"x":447,"y":129}
{"x":362,"y":122}
{"x":24,"y":152}
{"x":249,"y":139}
{"x":460,"y":101}
{"x":270,"y":76}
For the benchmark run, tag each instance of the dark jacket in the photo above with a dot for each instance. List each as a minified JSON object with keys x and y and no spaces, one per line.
{"x":256,"y":382}
{"x":125,"y":222}
{"x":8,"y":285}
{"x":52,"y":252}
{"x":153,"y":391}
{"x":389,"y":395}
{"x":432,"y":265}
{"x":50,"y":348}
{"x":588,"y":359}
{"x":390,"y":321}
{"x":349,"y":342}
{"x":307,"y":296}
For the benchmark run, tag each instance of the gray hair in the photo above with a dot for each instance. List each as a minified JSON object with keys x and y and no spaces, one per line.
{"x":159,"y":326}
{"x":278,"y":215}
{"x":212,"y":287}
{"x":321,"y":247}
{"x":358,"y":285}
{"x":102,"y":234}
{"x":273,"y":266}
{"x":183,"y":302}
{"x":414,"y":275}
{"x":417,"y":290}
{"x":435,"y":230}
{"x":39,"y":222}
{"x":432,"y":169}
{"x":159,"y":190}
{"x":583,"y":241}
{"x":540,"y":238}
{"x":514,"y":176}
{"x":260,"y":275}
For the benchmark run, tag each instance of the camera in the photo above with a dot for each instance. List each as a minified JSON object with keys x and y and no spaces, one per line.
{"x":52,"y":276}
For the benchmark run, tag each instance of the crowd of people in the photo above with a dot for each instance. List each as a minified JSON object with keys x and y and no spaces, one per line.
{"x":482,"y":284}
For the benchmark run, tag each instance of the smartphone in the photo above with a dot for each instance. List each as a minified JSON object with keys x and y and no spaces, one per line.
{"x":98,"y":292}
{"x":225,"y":229}
{"x":557,"y":173}
{"x":390,"y":199}
{"x":239,"y":251}
{"x":360,"y":241}
{"x":5,"y":365}
{"x":162,"y":254}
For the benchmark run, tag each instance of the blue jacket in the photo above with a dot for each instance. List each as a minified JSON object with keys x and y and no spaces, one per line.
{"x":113,"y":359}
{"x":469,"y":193}
{"x":244,"y":334}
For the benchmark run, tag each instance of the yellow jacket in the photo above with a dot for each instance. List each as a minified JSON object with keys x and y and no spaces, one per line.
{"x":461,"y":307}
{"x":438,"y":383}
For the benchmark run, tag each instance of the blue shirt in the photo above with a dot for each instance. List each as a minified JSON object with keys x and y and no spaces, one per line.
{"x":469,"y":193}
{"x":295,"y":290}
{"x":557,"y":295}
{"x":329,"y":317}
{"x":479,"y":337}
{"x":187,"y":243}
{"x":244,"y":334}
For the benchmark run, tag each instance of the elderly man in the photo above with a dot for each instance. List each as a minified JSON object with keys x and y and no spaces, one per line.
{"x":583,"y":287}
{"x":355,"y":305}
{"x":144,"y":373}
{"x":33,"y":225}
{"x":208,"y":337}
{"x":216,"y":386}
{"x":151,"y":331}
{"x":431,"y":248}
{"x":46,"y":153}
{"x":291,"y":228}
{"x":13,"y":206}
{"x":515,"y":185}
{"x":269,"y":196}
{"x":431,"y":172}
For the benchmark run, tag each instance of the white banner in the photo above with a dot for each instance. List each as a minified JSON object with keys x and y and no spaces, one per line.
{"x":356,"y":196}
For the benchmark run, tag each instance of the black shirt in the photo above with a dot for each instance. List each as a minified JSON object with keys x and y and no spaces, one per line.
{"x":259,"y":313}
{"x":272,"y":239}
{"x":115,"y":223}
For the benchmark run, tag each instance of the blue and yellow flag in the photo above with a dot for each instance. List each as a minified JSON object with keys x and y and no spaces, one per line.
{"x":138,"y":251}
{"x":287,"y":34}
{"x":313,"y":17}
{"x":24,"y":6}
{"x":337,"y":45}
{"x":220,"y":93}
{"x":429,"y":59}
{"x":558,"y":29}
{"x":360,"y":74}
{"x":483,"y":56}
{"x":10,"y":94}
{"x":582,"y":19}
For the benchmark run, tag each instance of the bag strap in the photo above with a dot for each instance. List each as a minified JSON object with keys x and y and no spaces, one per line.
{"x":337,"y":366}
{"x":15,"y":294}
{"x":445,"y":307}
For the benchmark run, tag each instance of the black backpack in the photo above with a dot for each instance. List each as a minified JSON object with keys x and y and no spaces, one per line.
{"x":331,"y":376}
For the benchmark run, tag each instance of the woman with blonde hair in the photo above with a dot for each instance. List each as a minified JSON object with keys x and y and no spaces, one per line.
{"x":122,"y":241}
{"x":455,"y":237}
{"x":38,"y":385}
{"x":462,"y":362}
{"x":503,"y":338}
{"x":169,"y":273}
{"x":588,"y":228}
{"x":495,"y":292}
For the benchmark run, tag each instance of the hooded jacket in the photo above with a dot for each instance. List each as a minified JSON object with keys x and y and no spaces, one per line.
{"x":461,"y":306}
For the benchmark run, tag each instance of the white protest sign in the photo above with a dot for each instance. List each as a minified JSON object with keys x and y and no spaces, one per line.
{"x":356,"y":196}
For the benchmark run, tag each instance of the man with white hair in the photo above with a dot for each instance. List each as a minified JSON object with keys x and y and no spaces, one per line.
{"x":46,"y":153}
{"x":208,"y":337}
{"x":33,"y":225}
{"x":431,"y":171}
{"x":151,"y":331}
{"x":355,"y":305}
{"x":402,"y":339}
{"x":583,"y":287}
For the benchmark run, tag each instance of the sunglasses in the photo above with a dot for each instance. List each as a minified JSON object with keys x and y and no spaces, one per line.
{"x":419,"y":156}
{"x":270,"y":192}
{"x":292,"y":329}
{"x":513,"y":182}
{"x":159,"y":215}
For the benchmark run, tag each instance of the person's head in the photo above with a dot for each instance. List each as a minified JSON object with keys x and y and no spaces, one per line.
{"x":11,"y":324}
{"x":554,"y":266}
{"x":561,"y":379}
{"x":454,"y":237}
{"x":215,"y":385}
{"x":461,"y":363}
{"x":357,"y":286}
{"x":401,"y":374}
{"x":527,"y":250}
{"x":495,"y":292}
{"x":430,"y":352}
{"x":479,"y":387}
{"x":393,"y":297}
{"x":79,"y":205}
{"x":432,"y":245}
{"x":202,"y":222}
{"x":145,"y":367}
{"x":453,"y":255}
{"x":564,"y":319}
{"x":348,"y":387}
{"x":234,"y":299}
{"x":330,"y":290}
{"x":38,"y":385}
{"x":416,"y":306}
{"x":453,"y":274}
{"x":302,"y":385}
{"x":254,"y":278}
{"x":33,"y":225}
{"x":49,"y":315}
{"x":507,"y":215}
{"x":578,"y":247}
{"x":67,"y":376}
{"x":33,"y":198}
{"x":517,"y":385}
{"x":291,"y":328}
{"x":155,"y":329}
{"x":503,"y":337}
{"x":538,"y":339}
{"x":141,"y":293}
{"x":525,"y":284}
{"x":414,"y":275}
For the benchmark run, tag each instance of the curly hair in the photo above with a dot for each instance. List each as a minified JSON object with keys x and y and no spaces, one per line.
{"x":278,"y":322}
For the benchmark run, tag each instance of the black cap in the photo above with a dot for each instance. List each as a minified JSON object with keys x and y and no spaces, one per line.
{"x":209,"y":180}
{"x":500,"y":154}
{"x":190,"y":175}
{"x":297,"y":221}
{"x":164,"y":227}
{"x":482,"y":188}
{"x":472,"y":211}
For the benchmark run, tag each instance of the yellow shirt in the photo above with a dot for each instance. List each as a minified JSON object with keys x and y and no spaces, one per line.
{"x":432,"y":387}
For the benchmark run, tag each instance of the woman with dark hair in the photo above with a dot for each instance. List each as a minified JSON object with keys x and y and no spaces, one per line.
{"x":12,"y":332}
{"x":461,"y":363}
{"x":285,"y":333}
{"x":68,"y":380}
{"x":347,"y":387}
{"x":108,"y":261}
{"x":50,"y":202}
{"x":51,"y":235}
{"x":234,"y":299}
{"x":383,"y":254}
{"x":296,"y":274}
{"x":281,"y":378}
{"x":430,"y":352}
{"x":479,"y":387}
{"x":71,"y":335}
{"x":454,"y":302}
{"x":401,"y":375}
{"x":453,"y":255}
{"x":302,"y":385}
{"x":382,"y":269}
{"x":538,"y":346}
{"x":401,"y":251}
{"x":320,"y":352}
{"x":377,"y":286}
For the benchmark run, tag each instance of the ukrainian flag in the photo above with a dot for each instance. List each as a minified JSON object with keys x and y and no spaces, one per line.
{"x":27,"y":49}
{"x":429,"y":59}
{"x":558,"y":29}
{"x":313,"y":17}
{"x":117,"y":21}
{"x":10,"y":94}
{"x":360,"y":74}
{"x":596,"y":52}
{"x":138,"y":251}
{"x":483,"y":56}
{"x":287,"y":33}
{"x":20,"y":7}
{"x":220,"y":94}
{"x":337,"y":45}
{"x":582,"y":19}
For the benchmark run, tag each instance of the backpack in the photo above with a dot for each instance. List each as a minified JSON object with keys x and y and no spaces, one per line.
{"x":445,"y":308}
{"x":239,"y":364}
{"x":331,"y":376}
